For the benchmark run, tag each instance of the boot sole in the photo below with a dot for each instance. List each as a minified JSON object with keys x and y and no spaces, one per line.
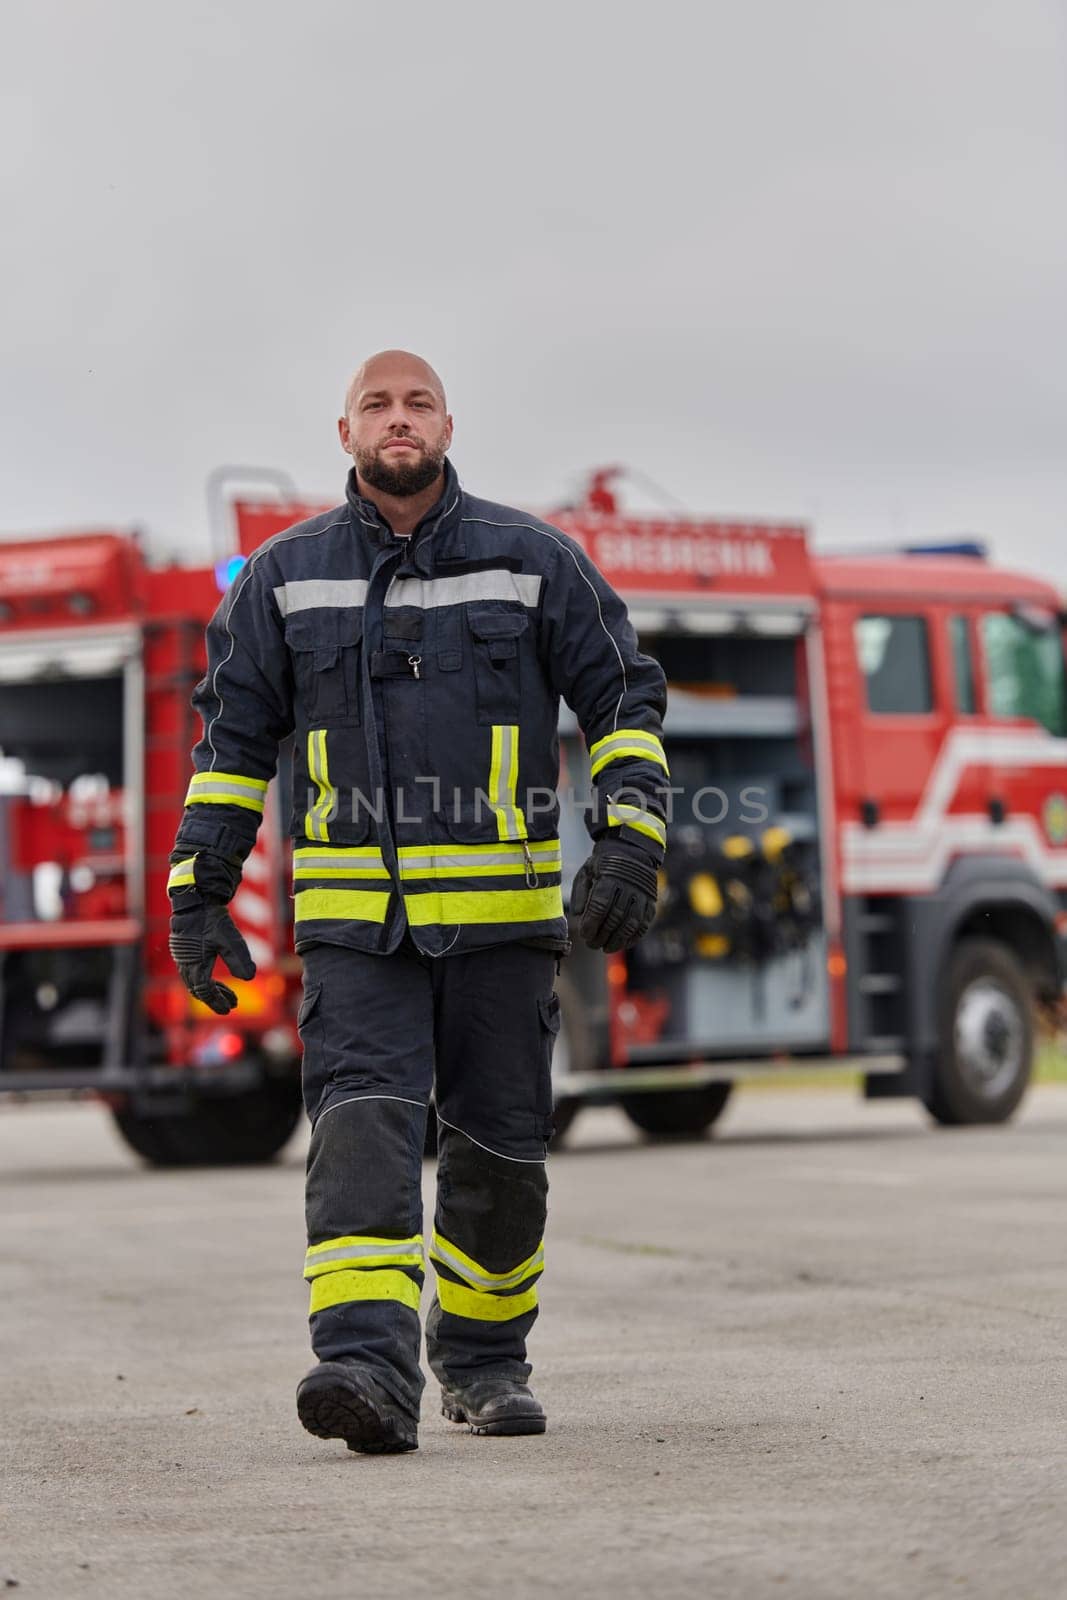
{"x":499,"y":1427}
{"x":333,"y":1407}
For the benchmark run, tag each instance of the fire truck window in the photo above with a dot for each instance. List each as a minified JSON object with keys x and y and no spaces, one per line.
{"x":1024,"y":659}
{"x":894,"y":657}
{"x":64,"y":728}
{"x":963,"y":665}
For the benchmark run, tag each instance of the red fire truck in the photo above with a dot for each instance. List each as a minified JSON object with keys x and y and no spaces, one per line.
{"x":867,"y":862}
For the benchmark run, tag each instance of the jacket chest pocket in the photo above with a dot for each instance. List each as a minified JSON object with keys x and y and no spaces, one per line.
{"x":496,"y":635}
{"x":325,"y":650}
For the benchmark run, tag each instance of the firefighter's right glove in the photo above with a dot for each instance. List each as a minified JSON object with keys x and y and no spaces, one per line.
{"x":614,"y":895}
{"x":199,"y":933}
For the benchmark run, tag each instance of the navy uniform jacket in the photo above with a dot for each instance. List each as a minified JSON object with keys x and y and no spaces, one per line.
{"x":422,"y":678}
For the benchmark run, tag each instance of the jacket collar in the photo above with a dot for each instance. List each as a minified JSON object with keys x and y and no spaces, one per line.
{"x":438,"y":536}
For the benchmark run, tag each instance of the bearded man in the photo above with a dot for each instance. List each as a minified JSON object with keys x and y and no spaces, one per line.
{"x":417,"y":641}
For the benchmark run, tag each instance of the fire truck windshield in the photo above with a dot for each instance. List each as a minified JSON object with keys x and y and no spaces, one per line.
{"x":1024,"y":655}
{"x":63,"y":729}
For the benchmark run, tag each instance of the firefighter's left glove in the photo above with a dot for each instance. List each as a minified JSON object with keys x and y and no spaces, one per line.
{"x":199,"y":933}
{"x":614,"y":895}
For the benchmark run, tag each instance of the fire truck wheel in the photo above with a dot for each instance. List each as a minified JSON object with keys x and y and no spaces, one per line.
{"x":217,"y":1132}
{"x":145,"y":1136}
{"x":683,"y":1114}
{"x":986,"y":1036}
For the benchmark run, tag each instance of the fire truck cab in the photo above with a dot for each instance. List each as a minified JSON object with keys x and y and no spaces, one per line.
{"x":867,"y":840}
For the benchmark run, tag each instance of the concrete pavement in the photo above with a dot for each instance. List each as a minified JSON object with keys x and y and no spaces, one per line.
{"x":820,"y":1355}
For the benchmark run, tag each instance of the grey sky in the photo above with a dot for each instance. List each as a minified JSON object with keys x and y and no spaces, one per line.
{"x":785,"y":258}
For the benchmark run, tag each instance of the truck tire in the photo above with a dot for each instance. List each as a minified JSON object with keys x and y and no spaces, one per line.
{"x":683,"y":1114}
{"x":146,"y":1136}
{"x":986,"y":1036}
{"x":215,"y":1132}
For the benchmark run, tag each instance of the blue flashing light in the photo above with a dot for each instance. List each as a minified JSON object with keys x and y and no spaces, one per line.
{"x":974,"y":549}
{"x":226,"y":571}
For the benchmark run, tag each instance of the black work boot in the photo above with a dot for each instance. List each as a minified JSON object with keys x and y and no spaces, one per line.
{"x":493,"y":1405}
{"x":340,"y":1400}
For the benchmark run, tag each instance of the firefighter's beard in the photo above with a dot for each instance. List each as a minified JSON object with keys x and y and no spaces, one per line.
{"x":404,"y":478}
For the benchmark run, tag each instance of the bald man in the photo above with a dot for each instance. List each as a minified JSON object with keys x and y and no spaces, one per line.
{"x":417,"y":642}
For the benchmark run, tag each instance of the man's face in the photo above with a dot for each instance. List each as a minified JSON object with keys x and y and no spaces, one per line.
{"x":396,"y":430}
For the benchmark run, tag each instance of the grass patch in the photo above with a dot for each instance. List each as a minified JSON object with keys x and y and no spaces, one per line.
{"x":1051,"y":1063}
{"x":1050,"y":1066}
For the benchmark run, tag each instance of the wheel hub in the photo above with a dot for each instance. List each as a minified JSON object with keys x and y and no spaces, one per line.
{"x":989,"y":1037}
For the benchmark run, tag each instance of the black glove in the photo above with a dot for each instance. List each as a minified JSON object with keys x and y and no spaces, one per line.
{"x":614,"y":895}
{"x":200,"y":931}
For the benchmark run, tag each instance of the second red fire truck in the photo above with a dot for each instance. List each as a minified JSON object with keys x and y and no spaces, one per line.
{"x":867,"y":861}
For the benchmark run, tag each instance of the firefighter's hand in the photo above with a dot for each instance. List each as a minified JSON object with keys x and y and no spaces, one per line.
{"x":614,"y":895}
{"x":198,"y":934}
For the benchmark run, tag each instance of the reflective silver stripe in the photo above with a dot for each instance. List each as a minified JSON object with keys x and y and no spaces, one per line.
{"x":340,"y":855}
{"x":404,"y":1253}
{"x":626,"y":744}
{"x":181,"y":873}
{"x":503,"y":777}
{"x":359,"y":1252}
{"x":636,"y":817}
{"x":308,"y":594}
{"x":421,"y":867}
{"x":324,"y":810}
{"x":496,"y":583}
{"x":421,"y":863}
{"x":439,"y":1251}
{"x":241,"y":784}
{"x":208,"y":793}
{"x":310,"y":865}
{"x":475,"y":851}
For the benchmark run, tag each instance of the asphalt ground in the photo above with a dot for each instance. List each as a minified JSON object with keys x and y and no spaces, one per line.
{"x":819,"y":1355}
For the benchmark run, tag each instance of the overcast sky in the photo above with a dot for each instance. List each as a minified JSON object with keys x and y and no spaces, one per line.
{"x":785,"y":257}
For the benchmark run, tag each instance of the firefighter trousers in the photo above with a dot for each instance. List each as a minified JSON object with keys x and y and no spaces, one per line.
{"x":380,"y":1032}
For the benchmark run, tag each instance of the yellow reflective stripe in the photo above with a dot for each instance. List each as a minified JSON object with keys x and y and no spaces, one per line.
{"x":361,"y":1251}
{"x":340,"y":872}
{"x":482,"y":1307}
{"x":450,"y":906}
{"x":226,"y":789}
{"x":316,"y":820}
{"x":626,"y":742}
{"x":355,"y":861}
{"x":442,"y":1249}
{"x":637,"y":817}
{"x":181,"y":873}
{"x":503,"y":780}
{"x":341,"y":905}
{"x":337,"y":1288}
{"x":254,"y":785}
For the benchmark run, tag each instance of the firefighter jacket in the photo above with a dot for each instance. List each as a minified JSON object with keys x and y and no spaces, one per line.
{"x":421,"y":678}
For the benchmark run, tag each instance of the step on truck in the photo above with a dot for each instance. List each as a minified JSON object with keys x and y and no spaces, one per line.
{"x":867,"y":842}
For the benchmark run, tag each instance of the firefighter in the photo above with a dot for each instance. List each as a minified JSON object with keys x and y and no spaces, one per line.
{"x":417,"y":641}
